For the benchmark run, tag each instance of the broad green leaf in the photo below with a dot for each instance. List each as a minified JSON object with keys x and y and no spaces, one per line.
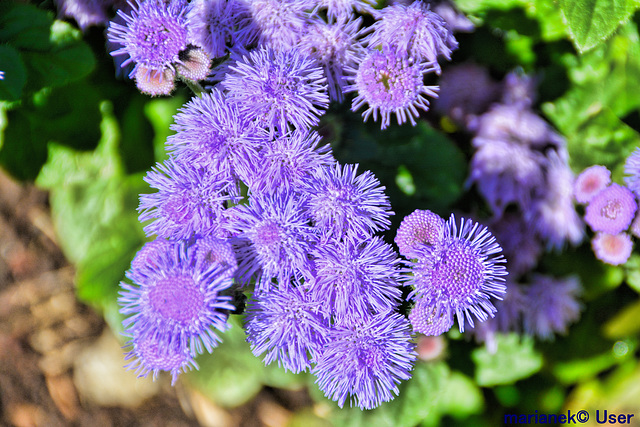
{"x":23,"y":149}
{"x":590,"y":22}
{"x":514,"y":359}
{"x":24,"y":26}
{"x":579,"y":370}
{"x":15,"y":74}
{"x":60,"y":66}
{"x":625,"y":323}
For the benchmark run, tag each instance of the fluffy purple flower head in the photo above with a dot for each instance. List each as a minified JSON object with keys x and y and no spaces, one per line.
{"x":551,"y":304}
{"x":278,"y":88}
{"x":590,"y":182}
{"x":287,"y":160}
{"x":190,"y":201}
{"x":151,"y":354}
{"x":215,"y":252}
{"x":335,"y":46}
{"x":211,"y":132}
{"x":611,"y":210}
{"x":216,"y":24}
{"x":389,"y":82}
{"x":280,"y":23}
{"x":274,"y":238}
{"x":149,"y":256}
{"x":343,"y":9}
{"x":419,"y":230}
{"x":365,"y":358}
{"x":429,"y":318}
{"x":85,"y":12}
{"x":463,"y":272}
{"x":457,"y":21}
{"x":179,"y":302}
{"x":632,"y":169}
{"x":343,"y":203}
{"x":356,"y":278}
{"x":415,"y":31}
{"x":153,"y":36}
{"x":519,"y":90}
{"x":285,"y":323}
{"x":613,"y":249}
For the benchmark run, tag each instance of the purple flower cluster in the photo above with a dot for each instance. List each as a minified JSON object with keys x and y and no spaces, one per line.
{"x":610,"y":209}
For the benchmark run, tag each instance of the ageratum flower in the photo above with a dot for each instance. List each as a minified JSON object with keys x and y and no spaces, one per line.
{"x":389,"y":82}
{"x":590,"y":182}
{"x":211,"y":131}
{"x":280,"y":22}
{"x":179,"y":303}
{"x":365,"y":358}
{"x":356,"y":277}
{"x":278,"y":89}
{"x":343,"y":203}
{"x":463,"y":272}
{"x":212,"y":251}
{"x":343,"y":9}
{"x":274,"y":238}
{"x":152,"y":38}
{"x":190,"y":201}
{"x":419,"y":230}
{"x":286,"y":324}
{"x":632,"y":169}
{"x":522,"y":246}
{"x":415,"y":31}
{"x":613,"y":249}
{"x":430,"y":318}
{"x":85,"y":12}
{"x":611,"y":210}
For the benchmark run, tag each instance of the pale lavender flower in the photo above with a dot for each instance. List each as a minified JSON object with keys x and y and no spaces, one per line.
{"x":343,"y":203}
{"x":611,"y":210}
{"x":389,"y":82}
{"x":519,"y":90}
{"x":278,"y":89}
{"x":428,"y":317}
{"x":286,"y":325}
{"x":590,"y":182}
{"x":613,"y":249}
{"x":419,"y":230}
{"x":280,"y":23}
{"x":551,"y":305}
{"x":190,"y":201}
{"x":456,"y":20}
{"x":343,"y":9}
{"x":365,"y":358}
{"x":415,"y":31}
{"x":522,"y":246}
{"x":85,"y":12}
{"x":213,"y":251}
{"x":179,"y":303}
{"x":632,"y":170}
{"x":353,"y":278}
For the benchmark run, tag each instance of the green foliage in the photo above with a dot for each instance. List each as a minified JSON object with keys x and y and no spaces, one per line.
{"x":514,"y":359}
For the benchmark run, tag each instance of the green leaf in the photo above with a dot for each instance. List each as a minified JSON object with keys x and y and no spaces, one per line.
{"x":24,"y":26}
{"x":514,"y":359}
{"x":15,"y":74}
{"x":625,"y":323}
{"x":632,"y":272}
{"x":61,"y":66}
{"x":23,"y":149}
{"x":590,"y":22}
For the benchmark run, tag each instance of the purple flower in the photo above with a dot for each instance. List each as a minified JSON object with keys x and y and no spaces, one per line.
{"x":429,"y":318}
{"x":456,"y":20}
{"x":211,"y":131}
{"x":519,"y":90}
{"x":285,"y":323}
{"x":150,"y":255}
{"x":415,"y":31}
{"x":343,"y":203}
{"x":343,"y":9}
{"x":590,"y":182}
{"x":274,"y":239}
{"x":287,"y":160}
{"x":611,"y":210}
{"x":420,"y":229}
{"x":280,"y":22}
{"x":551,"y":304}
{"x":335,"y":46}
{"x":190,"y":201}
{"x":179,"y":303}
{"x":85,"y":12}
{"x":632,"y":169}
{"x":613,"y":249}
{"x":522,"y":246}
{"x":215,"y":252}
{"x":389,"y":82}
{"x":278,"y":89}
{"x":354,"y":278}
{"x":461,"y":274}
{"x":365,"y":358}
{"x":216,"y":24}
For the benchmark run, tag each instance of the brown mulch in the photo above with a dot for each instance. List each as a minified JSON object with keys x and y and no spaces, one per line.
{"x":43,"y":329}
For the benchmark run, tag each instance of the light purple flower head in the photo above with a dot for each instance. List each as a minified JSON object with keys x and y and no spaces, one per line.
{"x":389,"y":82}
{"x":343,"y":203}
{"x":613,"y":249}
{"x":86,"y":12}
{"x":522,"y":246}
{"x":211,"y":132}
{"x":632,"y":169}
{"x":635,"y":225}
{"x":343,"y":9}
{"x":519,"y":90}
{"x":429,"y":318}
{"x":611,"y":210}
{"x":354,"y":278}
{"x":286,"y":324}
{"x":280,"y":23}
{"x":551,"y":304}
{"x":335,"y":46}
{"x":365,"y":358}
{"x":420,"y":230}
{"x":456,"y":20}
{"x":218,"y":24}
{"x":590,"y":182}
{"x":190,"y":201}
{"x":274,"y":238}
{"x":278,"y":89}
{"x":179,"y":303}
{"x":212,"y":251}
{"x":415,"y":31}
{"x":463,"y":273}
{"x":150,"y":255}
